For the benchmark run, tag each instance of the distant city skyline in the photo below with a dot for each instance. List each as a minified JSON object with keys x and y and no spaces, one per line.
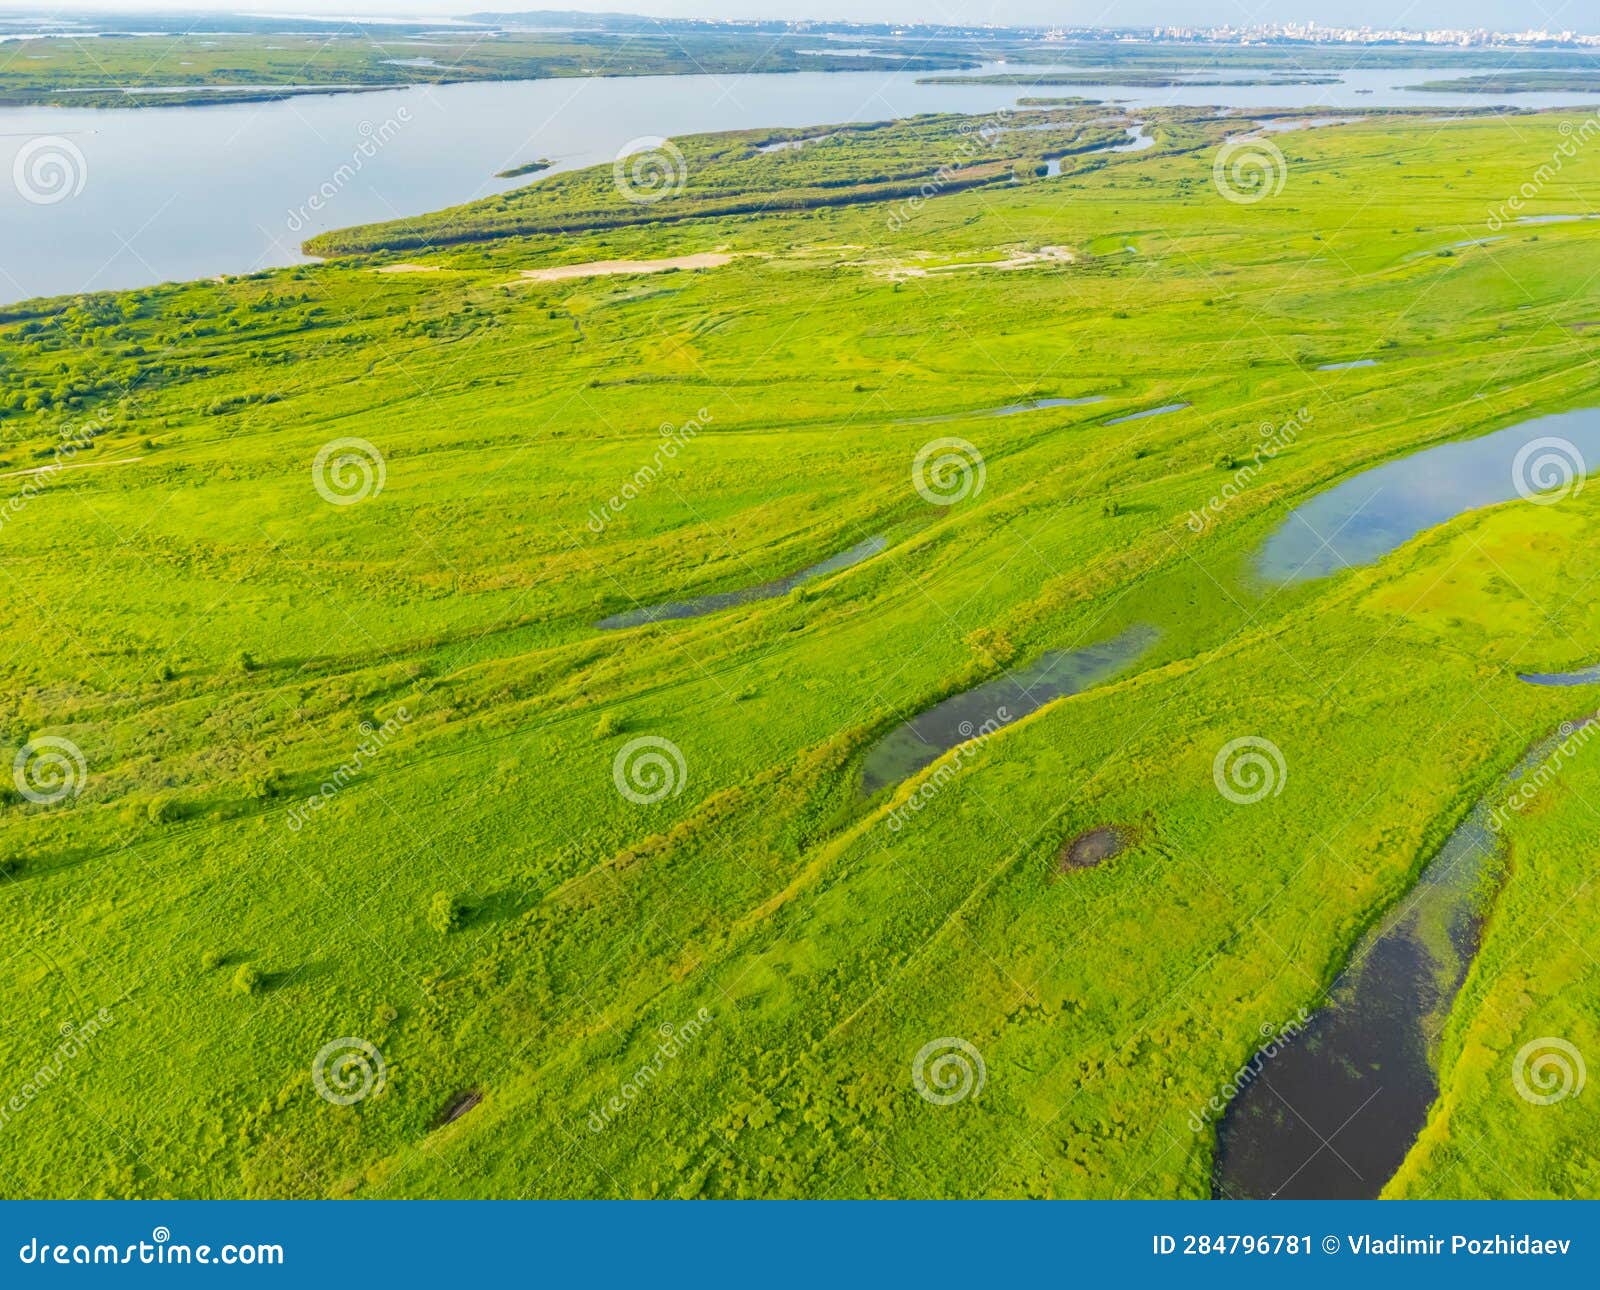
{"x":1419,"y":15}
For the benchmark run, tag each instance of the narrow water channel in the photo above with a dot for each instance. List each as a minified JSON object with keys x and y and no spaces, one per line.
{"x":985,"y":708}
{"x":1371,"y":514}
{"x":710,"y":604}
{"x":1331,"y":1114}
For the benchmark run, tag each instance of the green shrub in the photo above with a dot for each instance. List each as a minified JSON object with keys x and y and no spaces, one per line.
{"x":445,"y":913}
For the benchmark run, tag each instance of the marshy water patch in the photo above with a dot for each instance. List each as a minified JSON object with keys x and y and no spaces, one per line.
{"x":1332,"y":1113}
{"x":1380,"y":509}
{"x":1092,"y":847}
{"x":994,"y":704}
{"x":710,"y":604}
{"x":1583,"y":676}
{"x":1347,"y":366}
{"x":1148,"y":412}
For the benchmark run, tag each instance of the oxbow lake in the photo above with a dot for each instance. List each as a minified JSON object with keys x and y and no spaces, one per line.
{"x":190,"y":192}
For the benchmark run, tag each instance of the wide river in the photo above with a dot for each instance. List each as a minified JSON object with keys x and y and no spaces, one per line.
{"x":179,"y":193}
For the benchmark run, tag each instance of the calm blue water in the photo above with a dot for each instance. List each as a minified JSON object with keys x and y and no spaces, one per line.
{"x":1368,"y":516}
{"x":924,"y":738}
{"x":180,"y":193}
{"x":1584,"y":676}
{"x":1334,"y":1110}
{"x":698,"y":605}
{"x":1148,"y":412}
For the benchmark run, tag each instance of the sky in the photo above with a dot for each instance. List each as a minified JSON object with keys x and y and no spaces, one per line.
{"x":1503,"y":15}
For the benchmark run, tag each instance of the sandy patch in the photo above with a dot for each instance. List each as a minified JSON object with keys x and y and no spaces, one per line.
{"x":900,"y":269}
{"x":603,"y":268}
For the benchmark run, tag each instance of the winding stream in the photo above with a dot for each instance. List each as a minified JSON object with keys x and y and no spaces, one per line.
{"x":710,"y":604}
{"x":1375,"y":512}
{"x":986,"y":708}
{"x":1333,"y":1112}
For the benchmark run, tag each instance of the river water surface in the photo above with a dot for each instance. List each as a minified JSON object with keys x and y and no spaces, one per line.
{"x":188,"y":192}
{"x":1375,"y":512}
{"x":1332,"y":1114}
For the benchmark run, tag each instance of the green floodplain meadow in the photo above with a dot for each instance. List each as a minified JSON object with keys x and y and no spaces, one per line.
{"x":477,"y":900}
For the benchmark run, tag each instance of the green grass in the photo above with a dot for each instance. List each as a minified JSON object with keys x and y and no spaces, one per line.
{"x":1520,"y":82}
{"x":476,"y":899}
{"x":190,"y":67}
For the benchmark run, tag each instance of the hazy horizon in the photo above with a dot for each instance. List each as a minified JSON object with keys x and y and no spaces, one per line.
{"x":1498,"y":15}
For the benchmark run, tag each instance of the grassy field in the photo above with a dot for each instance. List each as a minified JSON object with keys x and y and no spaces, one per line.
{"x":191,"y":67}
{"x":355,"y":758}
